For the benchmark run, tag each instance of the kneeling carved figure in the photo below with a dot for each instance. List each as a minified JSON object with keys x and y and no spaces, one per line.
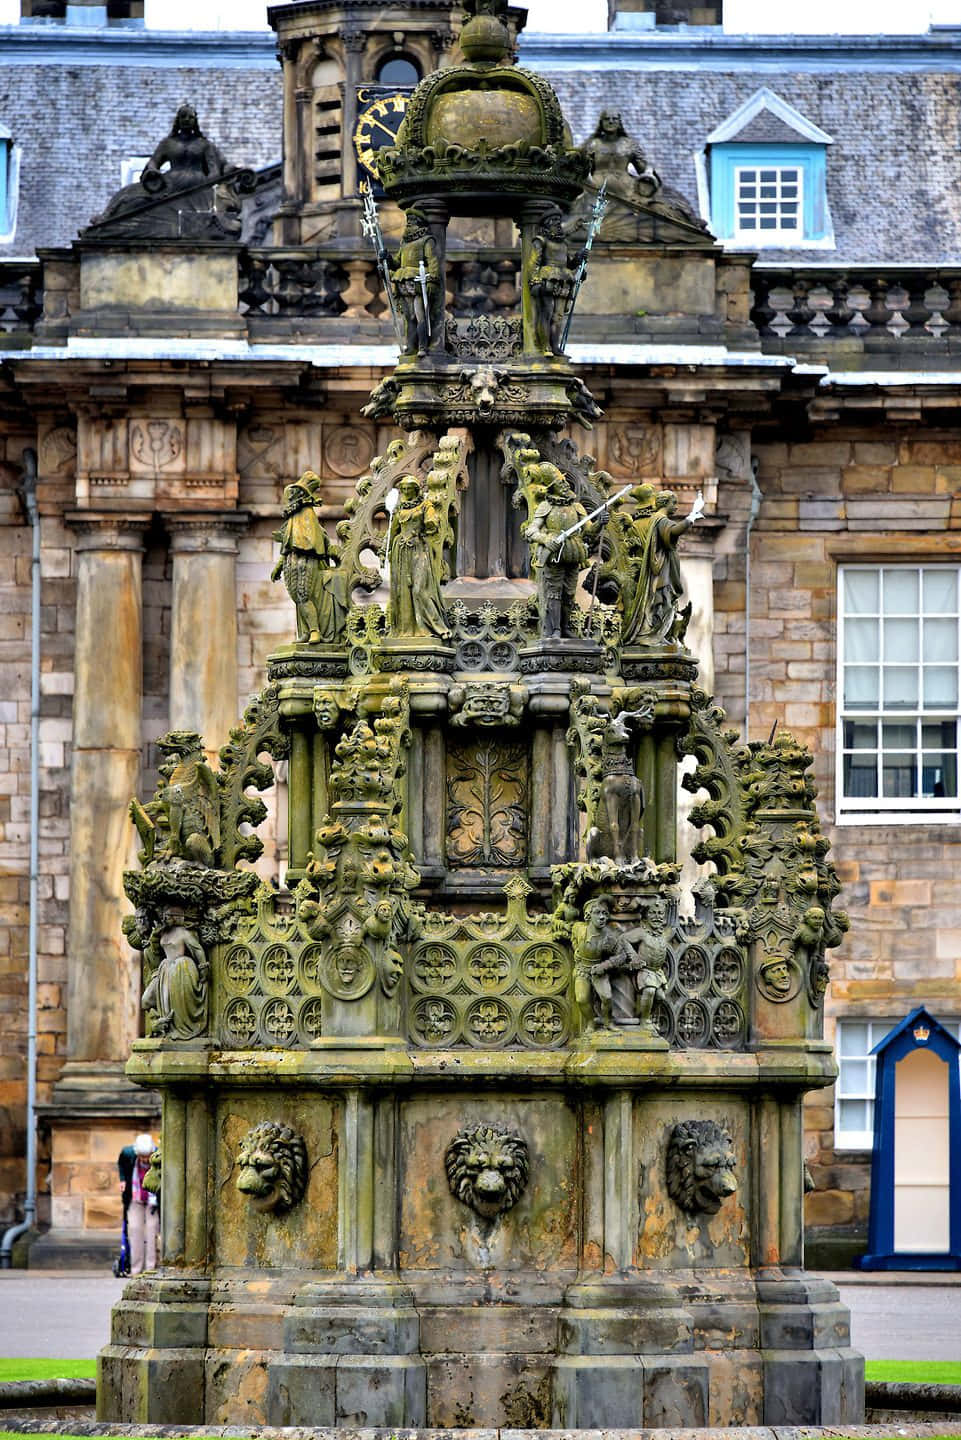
{"x":700,"y":1166}
{"x":487,"y":1169}
{"x":273,"y":1167}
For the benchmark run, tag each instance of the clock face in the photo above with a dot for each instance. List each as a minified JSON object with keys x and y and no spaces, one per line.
{"x":379,"y":113}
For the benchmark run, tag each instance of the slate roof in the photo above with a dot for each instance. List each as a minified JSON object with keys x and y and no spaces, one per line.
{"x":893,"y":172}
{"x":892,"y":107}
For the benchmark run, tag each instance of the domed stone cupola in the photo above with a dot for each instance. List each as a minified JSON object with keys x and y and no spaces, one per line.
{"x":483,"y":131}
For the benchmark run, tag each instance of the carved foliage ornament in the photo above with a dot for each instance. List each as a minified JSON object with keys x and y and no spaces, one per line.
{"x":700,"y":1166}
{"x":487,"y":1168}
{"x":273,"y":1167}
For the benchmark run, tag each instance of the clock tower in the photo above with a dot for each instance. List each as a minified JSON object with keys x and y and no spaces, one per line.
{"x":348,"y":69}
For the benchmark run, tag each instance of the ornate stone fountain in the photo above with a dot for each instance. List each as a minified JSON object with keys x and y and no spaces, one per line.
{"x":479,"y":1125}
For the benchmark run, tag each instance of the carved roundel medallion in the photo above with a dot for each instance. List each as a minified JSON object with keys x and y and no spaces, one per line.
{"x":433,"y":967}
{"x":348,"y":451}
{"x":348,"y":972}
{"x":544,"y":969}
{"x":240,"y":969}
{"x":543,"y":1023}
{"x":778,"y":978}
{"x":279,"y":971}
{"x":434,"y":1022}
{"x":488,"y":1024}
{"x":489,"y":969}
{"x":240,"y":1022}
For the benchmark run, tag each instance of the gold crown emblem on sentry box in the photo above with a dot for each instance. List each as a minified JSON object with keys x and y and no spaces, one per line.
{"x":921,"y":1034}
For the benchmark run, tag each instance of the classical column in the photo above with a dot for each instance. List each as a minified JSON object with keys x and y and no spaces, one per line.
{"x":203,"y":625}
{"x":103,"y":980}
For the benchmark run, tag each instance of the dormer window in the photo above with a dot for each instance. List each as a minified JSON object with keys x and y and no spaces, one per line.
{"x":768,"y":202}
{"x":765,"y":173}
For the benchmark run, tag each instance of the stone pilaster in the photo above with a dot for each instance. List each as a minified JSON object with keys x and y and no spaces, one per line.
{"x":103,"y":980}
{"x":95,"y":1110}
{"x":203,"y":627}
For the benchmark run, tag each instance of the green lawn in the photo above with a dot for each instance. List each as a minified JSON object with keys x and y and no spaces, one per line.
{"x":930,"y":1372}
{"x":47,"y":1369}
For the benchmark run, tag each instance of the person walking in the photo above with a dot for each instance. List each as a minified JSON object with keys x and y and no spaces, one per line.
{"x":140,"y":1205}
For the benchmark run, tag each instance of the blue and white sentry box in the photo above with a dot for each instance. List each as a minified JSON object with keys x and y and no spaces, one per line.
{"x":916,"y":1166}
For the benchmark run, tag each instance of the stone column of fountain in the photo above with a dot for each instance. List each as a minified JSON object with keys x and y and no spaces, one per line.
{"x":472,"y":1129}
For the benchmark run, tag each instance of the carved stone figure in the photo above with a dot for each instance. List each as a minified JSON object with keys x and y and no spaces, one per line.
{"x":551,"y":284}
{"x":650,"y":601}
{"x":273,"y":1167}
{"x":700,"y":1166}
{"x":809,"y":942}
{"x":650,"y":977}
{"x":604,"y":964}
{"x":556,"y":565}
{"x":616,"y":832}
{"x":487,"y":1168}
{"x":176,"y":997}
{"x":416,"y":607}
{"x":183,"y":820}
{"x":487,"y":703}
{"x":308,"y":563}
{"x":416,"y":268}
{"x":181,"y":192}
{"x":153,"y":1179}
{"x":619,"y":161}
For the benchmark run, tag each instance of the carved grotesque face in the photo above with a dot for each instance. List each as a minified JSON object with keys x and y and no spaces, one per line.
{"x":487,"y":1169}
{"x":814,"y":919}
{"x":487,"y":702}
{"x":700,"y":1166}
{"x":597,"y":914}
{"x":326,"y":710}
{"x":273,"y":1167}
{"x":777,"y":976}
{"x":656,"y":915}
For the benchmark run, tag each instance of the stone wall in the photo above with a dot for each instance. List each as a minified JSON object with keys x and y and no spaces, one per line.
{"x":845,"y":494}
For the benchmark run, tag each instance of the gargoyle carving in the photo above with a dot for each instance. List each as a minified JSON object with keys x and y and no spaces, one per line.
{"x":700,"y":1166}
{"x":487,"y":1169}
{"x":273,"y":1167}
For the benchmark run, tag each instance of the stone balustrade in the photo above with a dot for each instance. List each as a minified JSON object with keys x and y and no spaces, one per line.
{"x":869,"y":307}
{"x":813,"y":310}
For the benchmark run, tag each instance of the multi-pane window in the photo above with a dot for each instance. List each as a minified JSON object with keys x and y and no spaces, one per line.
{"x":768,"y":201}
{"x":854,"y":1091}
{"x":898,"y":686}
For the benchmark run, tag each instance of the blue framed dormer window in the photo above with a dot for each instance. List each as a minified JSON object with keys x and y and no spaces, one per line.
{"x":765,"y":170}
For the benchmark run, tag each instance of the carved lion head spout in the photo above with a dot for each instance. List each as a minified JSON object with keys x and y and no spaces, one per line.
{"x":273,"y":1167}
{"x":700,"y":1166}
{"x":487,"y":1169}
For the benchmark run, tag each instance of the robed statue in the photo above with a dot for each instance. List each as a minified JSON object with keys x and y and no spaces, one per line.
{"x":416,"y":607}
{"x":308,"y":563}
